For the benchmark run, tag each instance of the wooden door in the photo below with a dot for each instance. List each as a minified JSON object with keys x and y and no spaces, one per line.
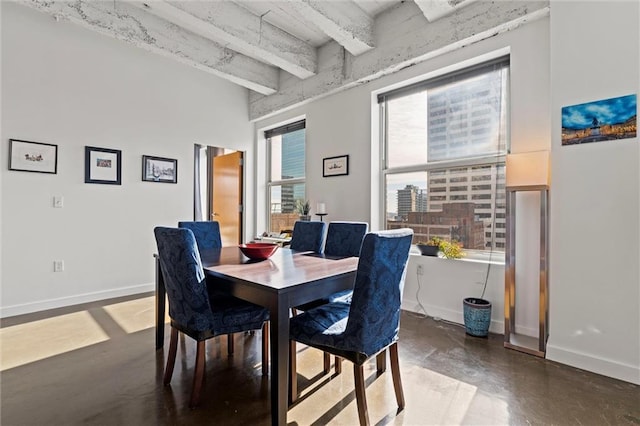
{"x":227,"y":203}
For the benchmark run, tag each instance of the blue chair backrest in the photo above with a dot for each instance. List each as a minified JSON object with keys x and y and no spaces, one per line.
{"x":184,"y":278}
{"x":207,"y":233}
{"x":308,"y":236}
{"x":345,"y":238}
{"x":374,"y":316}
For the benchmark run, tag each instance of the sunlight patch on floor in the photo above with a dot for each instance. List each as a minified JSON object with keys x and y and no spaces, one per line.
{"x":33,"y":341}
{"x":447,"y":400}
{"x":134,"y":315}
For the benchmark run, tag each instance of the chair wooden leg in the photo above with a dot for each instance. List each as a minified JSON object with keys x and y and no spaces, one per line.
{"x":293,"y":374}
{"x":230,"y":344}
{"x":338,"y":365}
{"x":198,"y":375}
{"x":381,"y":362}
{"x":327,"y":362}
{"x":265,"y":348}
{"x":361,"y":398}
{"x":171,"y":358}
{"x":395,"y":373}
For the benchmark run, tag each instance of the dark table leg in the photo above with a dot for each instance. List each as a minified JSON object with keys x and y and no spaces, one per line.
{"x":160,"y":304}
{"x":279,"y":317}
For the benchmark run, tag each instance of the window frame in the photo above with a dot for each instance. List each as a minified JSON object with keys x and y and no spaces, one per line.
{"x":268,"y":134}
{"x":493,"y":160}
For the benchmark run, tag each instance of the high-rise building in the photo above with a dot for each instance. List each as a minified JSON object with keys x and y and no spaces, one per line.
{"x":411,"y":199}
{"x":484,"y":186}
{"x":293,"y":166}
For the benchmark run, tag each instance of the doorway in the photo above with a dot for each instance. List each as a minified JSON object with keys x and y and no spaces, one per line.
{"x":219,"y":190}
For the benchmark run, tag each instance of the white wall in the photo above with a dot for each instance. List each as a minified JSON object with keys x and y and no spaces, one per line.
{"x":346,"y":123}
{"x":65,"y":85}
{"x":594,"y":295}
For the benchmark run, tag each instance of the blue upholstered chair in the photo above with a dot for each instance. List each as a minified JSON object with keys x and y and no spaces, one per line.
{"x":196,"y":312}
{"x":345,"y":238}
{"x":367,"y":326}
{"x":207,"y":233}
{"x":308,"y":236}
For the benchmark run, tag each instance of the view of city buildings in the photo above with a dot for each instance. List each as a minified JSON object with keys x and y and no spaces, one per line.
{"x":459,"y":204}
{"x":287,"y":162}
{"x":466,"y":203}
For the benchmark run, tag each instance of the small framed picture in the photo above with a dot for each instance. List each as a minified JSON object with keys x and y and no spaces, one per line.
{"x":102,"y":165}
{"x":158,"y":169}
{"x":335,"y":166}
{"x":36,"y":157}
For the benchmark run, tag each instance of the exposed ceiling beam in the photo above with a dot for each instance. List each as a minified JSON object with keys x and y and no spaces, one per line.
{"x":238,"y":29}
{"x":130,"y":24}
{"x":436,"y":9}
{"x":404,"y":41}
{"x":343,"y":21}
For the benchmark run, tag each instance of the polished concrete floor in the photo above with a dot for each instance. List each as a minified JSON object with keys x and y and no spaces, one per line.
{"x":96,"y":365}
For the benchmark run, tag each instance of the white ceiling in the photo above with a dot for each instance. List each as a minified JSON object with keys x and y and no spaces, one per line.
{"x":271,"y":46}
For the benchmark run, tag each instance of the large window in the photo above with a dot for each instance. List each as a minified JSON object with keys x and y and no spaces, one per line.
{"x":445,"y":142}
{"x":286,"y":168}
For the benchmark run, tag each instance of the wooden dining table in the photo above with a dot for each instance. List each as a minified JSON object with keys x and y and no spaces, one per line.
{"x":286,"y":280}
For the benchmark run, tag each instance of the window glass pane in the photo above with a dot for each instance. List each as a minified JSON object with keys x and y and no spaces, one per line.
{"x":282,"y":206}
{"x":457,"y":117}
{"x":467,"y":118}
{"x":407,"y":130}
{"x":434,"y":203}
{"x":405,"y":193}
{"x":288,"y":155}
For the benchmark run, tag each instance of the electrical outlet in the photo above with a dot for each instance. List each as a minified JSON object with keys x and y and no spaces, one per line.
{"x":58,"y":265}
{"x":420,"y":270}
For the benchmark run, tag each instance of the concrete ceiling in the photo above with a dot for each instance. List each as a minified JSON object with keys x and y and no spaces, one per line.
{"x":289,"y":51}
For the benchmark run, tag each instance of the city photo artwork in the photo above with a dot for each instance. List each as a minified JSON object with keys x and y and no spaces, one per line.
{"x":603,"y":120}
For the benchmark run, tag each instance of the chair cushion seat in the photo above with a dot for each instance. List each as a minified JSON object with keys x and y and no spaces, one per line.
{"x":230,"y":315}
{"x":233,"y":315}
{"x":323,"y":327}
{"x":344,"y":296}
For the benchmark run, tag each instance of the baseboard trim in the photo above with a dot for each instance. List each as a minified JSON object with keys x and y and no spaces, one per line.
{"x":455,"y":316}
{"x":43,"y":305}
{"x":605,"y":367}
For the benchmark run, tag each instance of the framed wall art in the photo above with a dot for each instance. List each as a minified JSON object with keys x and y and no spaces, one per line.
{"x":102,"y":165}
{"x":335,"y":166}
{"x":36,"y":157}
{"x":599,"y":121}
{"x":158,"y":169}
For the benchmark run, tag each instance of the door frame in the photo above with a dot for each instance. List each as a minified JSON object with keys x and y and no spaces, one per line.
{"x":211,"y":152}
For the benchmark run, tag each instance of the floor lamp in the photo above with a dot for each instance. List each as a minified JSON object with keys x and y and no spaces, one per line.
{"x":527,"y":171}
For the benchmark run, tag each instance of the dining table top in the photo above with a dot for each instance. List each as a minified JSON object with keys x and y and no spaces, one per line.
{"x":286,"y":268}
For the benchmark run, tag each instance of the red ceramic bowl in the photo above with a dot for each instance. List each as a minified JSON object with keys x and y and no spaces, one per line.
{"x":258,"y":251}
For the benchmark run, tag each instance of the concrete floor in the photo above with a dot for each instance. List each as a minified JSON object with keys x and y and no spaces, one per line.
{"x":96,"y":365}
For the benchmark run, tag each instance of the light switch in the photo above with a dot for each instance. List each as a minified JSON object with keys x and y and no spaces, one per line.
{"x":58,"y":201}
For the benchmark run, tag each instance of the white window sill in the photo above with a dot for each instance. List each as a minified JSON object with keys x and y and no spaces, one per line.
{"x":495,"y":258}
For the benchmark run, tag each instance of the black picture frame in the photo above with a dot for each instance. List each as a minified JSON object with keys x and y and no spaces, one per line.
{"x":335,"y":166}
{"x":102,"y":165}
{"x":159,"y":169}
{"x":35,"y":157}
